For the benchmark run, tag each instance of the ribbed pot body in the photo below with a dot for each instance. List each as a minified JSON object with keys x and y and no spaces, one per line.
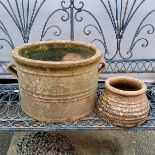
{"x":123,"y":110}
{"x":58,"y":93}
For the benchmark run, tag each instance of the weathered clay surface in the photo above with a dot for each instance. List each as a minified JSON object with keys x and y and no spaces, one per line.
{"x":72,"y":57}
{"x":58,"y":91}
{"x":127,"y":106}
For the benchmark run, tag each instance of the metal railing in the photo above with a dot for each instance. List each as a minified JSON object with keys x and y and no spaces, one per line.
{"x":23,"y":15}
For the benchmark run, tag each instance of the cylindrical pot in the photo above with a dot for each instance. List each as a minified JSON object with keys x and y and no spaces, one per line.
{"x":57,"y":79}
{"x":124,"y":102}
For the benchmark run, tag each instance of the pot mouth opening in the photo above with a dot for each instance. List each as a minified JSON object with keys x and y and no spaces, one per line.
{"x":126,"y":86}
{"x":56,"y":52}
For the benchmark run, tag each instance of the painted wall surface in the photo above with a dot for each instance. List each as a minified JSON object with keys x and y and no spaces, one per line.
{"x":95,"y":7}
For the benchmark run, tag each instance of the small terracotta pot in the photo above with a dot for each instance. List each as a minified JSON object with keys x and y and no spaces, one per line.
{"x":57,"y":79}
{"x":124,"y":102}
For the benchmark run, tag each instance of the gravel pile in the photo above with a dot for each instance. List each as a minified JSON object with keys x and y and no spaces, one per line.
{"x":45,"y":143}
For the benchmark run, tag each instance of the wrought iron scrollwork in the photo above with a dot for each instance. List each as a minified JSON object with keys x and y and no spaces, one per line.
{"x":139,"y":29}
{"x":58,"y":30}
{"x":8,"y":39}
{"x":68,"y":8}
{"x":121,"y":21}
{"x":120,"y":17}
{"x":22,"y":17}
{"x":87,"y":30}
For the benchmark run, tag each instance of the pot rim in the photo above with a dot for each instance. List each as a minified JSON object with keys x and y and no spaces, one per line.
{"x":57,"y":64}
{"x":138,"y":82}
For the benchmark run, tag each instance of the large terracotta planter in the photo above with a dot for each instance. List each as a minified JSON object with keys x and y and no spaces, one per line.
{"x":124,"y":102}
{"x":57,"y":79}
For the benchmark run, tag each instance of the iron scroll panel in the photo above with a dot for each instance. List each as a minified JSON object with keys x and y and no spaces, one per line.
{"x":24,"y":15}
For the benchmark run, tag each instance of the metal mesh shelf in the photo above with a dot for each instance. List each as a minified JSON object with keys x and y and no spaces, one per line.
{"x":13,"y":118}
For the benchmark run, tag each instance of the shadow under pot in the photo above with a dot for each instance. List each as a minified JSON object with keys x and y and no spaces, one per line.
{"x":124,"y":102}
{"x":53,"y":79}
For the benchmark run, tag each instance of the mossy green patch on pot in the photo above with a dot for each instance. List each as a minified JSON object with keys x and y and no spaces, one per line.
{"x":53,"y":53}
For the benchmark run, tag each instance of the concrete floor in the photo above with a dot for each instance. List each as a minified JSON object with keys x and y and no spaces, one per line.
{"x":143,"y":142}
{"x":106,"y":142}
{"x":5,"y":139}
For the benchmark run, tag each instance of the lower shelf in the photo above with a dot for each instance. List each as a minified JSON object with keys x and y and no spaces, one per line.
{"x":13,"y":118}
